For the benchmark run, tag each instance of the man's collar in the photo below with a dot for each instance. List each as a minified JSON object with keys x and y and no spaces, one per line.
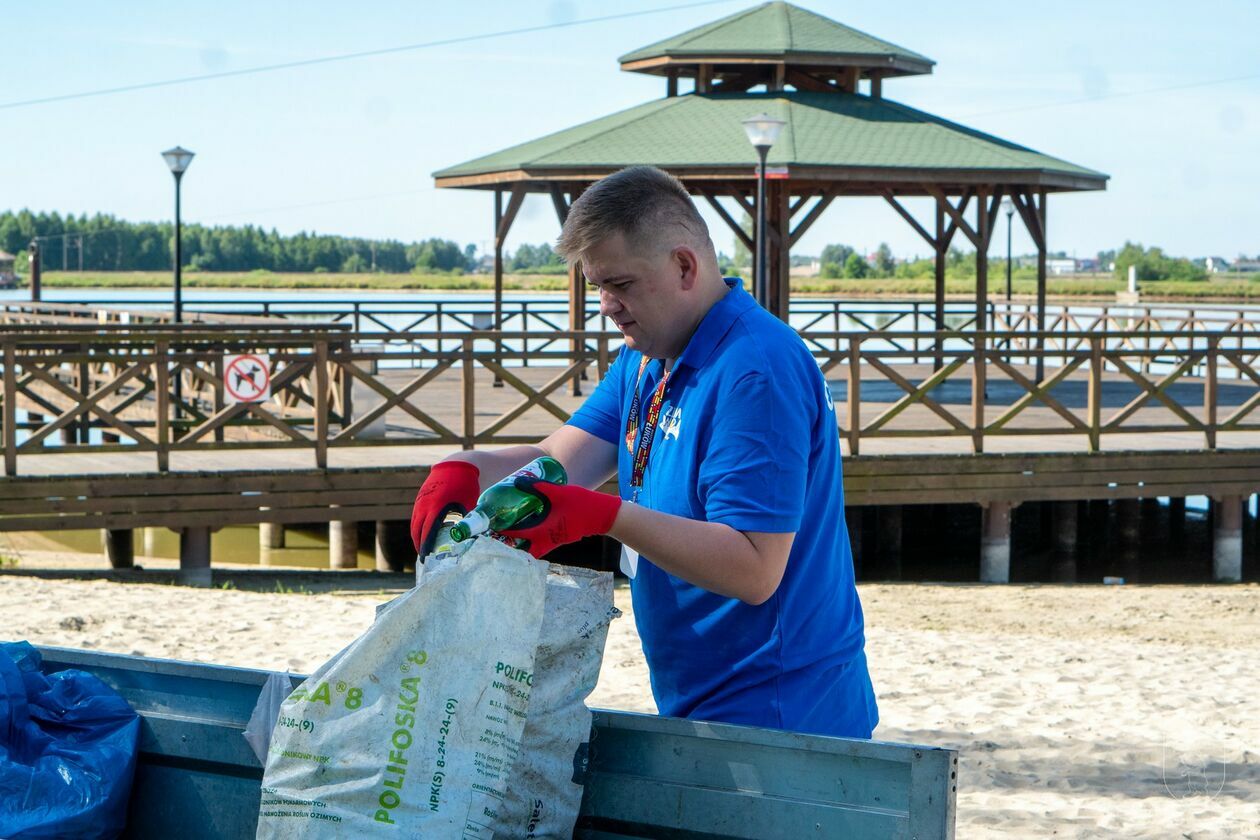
{"x":715,"y":324}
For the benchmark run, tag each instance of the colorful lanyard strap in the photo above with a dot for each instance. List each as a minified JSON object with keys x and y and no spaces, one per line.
{"x":649,"y":427}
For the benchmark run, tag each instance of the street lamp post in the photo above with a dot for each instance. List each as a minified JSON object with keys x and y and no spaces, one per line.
{"x":178,"y":159}
{"x":1010,"y":211}
{"x":762,"y":131}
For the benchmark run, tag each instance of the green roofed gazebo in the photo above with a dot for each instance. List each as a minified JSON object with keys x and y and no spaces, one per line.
{"x":841,"y":138}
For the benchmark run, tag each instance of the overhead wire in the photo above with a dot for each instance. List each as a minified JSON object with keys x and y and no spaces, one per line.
{"x":329,"y":59}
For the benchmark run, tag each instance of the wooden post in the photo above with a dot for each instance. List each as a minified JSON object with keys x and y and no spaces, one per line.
{"x":849,"y":79}
{"x":194,"y":556}
{"x":877,"y":85}
{"x":343,"y":544}
{"x":320,"y":384}
{"x":704,"y":78}
{"x":1210,"y":391}
{"x":854,"y":398}
{"x":10,"y":408}
{"x":995,"y":542}
{"x":85,"y":388}
{"x":469,"y":381}
{"x":671,"y":84}
{"x":120,"y":547}
{"x":1227,"y":542}
{"x":979,"y":384}
{"x":162,"y":386}
{"x":1094,"y":401}
{"x":219,"y":400}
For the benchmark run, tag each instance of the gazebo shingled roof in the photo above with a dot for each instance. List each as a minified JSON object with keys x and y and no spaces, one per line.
{"x":842,"y":137}
{"x":829,"y":137}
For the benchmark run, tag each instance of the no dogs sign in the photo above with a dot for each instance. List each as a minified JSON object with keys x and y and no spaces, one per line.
{"x":247,"y":378}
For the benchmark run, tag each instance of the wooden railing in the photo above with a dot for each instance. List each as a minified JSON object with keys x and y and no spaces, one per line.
{"x":112,"y":391}
{"x":434,"y":314}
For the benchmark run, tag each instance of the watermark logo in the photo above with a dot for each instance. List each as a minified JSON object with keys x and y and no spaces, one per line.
{"x":1194,"y":771}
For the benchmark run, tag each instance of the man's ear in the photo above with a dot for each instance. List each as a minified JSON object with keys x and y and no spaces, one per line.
{"x":687,"y":263}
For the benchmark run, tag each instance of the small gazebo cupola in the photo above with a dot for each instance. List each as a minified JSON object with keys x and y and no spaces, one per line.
{"x":778,"y":46}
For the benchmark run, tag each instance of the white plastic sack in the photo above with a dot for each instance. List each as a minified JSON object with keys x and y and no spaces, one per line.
{"x":415,"y":726}
{"x":460,"y":712}
{"x":545,"y":791}
{"x":266,"y":712}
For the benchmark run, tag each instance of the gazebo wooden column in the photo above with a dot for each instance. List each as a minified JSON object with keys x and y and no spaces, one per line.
{"x":778,"y":266}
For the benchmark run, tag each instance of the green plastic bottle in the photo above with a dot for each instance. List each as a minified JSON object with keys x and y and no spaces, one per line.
{"x":504,"y":505}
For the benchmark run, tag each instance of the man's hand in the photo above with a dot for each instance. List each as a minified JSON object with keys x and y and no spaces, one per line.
{"x":570,"y":513}
{"x":451,"y":486}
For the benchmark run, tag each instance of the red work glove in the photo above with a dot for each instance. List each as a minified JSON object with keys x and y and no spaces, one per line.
{"x":451,"y":486}
{"x":570,"y":514}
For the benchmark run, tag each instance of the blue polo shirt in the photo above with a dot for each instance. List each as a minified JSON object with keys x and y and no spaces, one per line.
{"x":747,"y":437}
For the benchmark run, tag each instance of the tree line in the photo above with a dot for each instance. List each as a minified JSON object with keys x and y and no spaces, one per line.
{"x":842,"y":261}
{"x":104,"y":242}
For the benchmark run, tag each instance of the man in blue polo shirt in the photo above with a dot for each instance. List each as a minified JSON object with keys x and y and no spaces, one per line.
{"x":721,"y":431}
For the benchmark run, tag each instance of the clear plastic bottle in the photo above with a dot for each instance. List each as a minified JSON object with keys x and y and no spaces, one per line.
{"x":504,"y":505}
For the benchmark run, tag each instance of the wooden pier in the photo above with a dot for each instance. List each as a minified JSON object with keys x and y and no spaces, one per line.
{"x":96,"y":435}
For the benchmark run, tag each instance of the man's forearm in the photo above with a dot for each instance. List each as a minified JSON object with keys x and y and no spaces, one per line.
{"x":710,"y":555}
{"x":494,"y":464}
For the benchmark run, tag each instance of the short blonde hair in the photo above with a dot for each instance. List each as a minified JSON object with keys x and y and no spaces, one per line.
{"x":637,"y":202}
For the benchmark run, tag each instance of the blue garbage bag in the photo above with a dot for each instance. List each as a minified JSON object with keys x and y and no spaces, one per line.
{"x":68,"y":747}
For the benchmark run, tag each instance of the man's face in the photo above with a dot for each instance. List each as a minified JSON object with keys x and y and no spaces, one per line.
{"x":643,"y":293}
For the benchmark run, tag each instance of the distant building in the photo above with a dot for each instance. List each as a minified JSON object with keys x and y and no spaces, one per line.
{"x":1247,"y":266}
{"x":1088,"y":266}
{"x":1060,"y":267}
{"x":1215,"y":265}
{"x":809,"y":269}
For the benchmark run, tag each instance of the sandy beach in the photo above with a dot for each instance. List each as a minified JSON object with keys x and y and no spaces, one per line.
{"x":1079,"y":711}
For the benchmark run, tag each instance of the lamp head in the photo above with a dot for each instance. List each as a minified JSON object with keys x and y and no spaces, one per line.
{"x":763,"y":130}
{"x":177,"y":159}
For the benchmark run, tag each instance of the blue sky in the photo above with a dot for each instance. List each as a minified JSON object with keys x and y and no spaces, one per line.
{"x":348,"y":147}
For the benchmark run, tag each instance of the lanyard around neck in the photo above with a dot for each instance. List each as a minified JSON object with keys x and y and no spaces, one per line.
{"x":649,"y":426}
